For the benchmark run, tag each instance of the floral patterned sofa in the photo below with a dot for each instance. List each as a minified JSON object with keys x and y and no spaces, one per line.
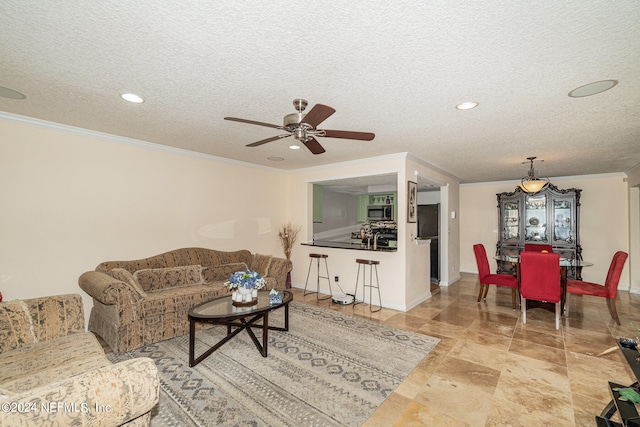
{"x":144,"y":301}
{"x":54,"y":373}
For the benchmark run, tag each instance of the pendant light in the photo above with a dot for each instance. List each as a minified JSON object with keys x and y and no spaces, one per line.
{"x":531,"y":183}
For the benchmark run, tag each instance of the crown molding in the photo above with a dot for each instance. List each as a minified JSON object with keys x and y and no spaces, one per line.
{"x":551,"y":179}
{"x":58,"y":127}
{"x":423,"y":162}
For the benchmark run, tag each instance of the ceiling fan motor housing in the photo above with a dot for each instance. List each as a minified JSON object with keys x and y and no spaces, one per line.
{"x":291,"y":121}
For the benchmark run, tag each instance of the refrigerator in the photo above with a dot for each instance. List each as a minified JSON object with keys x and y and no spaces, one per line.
{"x":429,"y":228}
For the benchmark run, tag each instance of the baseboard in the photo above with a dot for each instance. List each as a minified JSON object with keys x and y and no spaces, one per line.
{"x":403,"y":308}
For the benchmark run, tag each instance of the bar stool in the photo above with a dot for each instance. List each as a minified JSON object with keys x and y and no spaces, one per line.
{"x":371,"y":263}
{"x":317,"y":258}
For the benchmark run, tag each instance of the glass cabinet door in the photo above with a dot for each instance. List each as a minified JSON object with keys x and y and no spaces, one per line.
{"x":511,"y":221}
{"x":563,"y":221}
{"x":535,"y":224}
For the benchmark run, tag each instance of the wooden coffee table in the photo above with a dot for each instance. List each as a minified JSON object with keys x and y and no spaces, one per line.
{"x":221,"y":311}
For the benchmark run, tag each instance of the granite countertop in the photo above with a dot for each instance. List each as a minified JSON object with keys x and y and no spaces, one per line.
{"x":347,"y":245}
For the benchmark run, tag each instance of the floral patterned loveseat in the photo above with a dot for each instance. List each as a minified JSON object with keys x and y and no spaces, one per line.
{"x":144,"y":301}
{"x":53,"y":373}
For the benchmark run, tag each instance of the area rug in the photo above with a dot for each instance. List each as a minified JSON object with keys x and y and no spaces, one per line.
{"x":329,"y":369}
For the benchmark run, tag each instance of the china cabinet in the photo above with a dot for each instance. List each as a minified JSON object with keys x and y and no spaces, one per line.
{"x":550,"y":217}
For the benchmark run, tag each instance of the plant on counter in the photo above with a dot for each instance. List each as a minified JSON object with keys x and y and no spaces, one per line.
{"x":288,"y":235}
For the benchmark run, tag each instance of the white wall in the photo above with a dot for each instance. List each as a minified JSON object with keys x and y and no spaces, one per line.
{"x":633,"y":181}
{"x":404,"y":275}
{"x":604,"y":225}
{"x":72,"y":199}
{"x":339,"y":210}
{"x":634,"y":239}
{"x":342,"y":261}
{"x":428,"y":197}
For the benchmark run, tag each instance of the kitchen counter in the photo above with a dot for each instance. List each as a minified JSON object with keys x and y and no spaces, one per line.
{"x":347,"y":245}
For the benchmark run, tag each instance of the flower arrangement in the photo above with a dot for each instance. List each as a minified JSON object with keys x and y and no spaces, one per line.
{"x":245,"y":279}
{"x":288,"y":235}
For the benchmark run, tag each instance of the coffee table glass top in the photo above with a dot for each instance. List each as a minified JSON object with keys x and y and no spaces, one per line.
{"x":223,"y":307}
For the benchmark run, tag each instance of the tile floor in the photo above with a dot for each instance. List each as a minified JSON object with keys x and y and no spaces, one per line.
{"x":492,"y":370}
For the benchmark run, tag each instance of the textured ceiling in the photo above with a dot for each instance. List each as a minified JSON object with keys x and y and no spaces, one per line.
{"x":393,"y":68}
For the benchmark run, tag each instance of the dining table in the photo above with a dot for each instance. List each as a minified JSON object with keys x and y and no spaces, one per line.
{"x":565,"y":263}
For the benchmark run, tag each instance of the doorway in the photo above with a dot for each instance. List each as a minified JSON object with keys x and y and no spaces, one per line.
{"x":429,"y":228}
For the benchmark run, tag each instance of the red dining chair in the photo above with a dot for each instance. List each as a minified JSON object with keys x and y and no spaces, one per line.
{"x":486,"y":278}
{"x":610,"y":288}
{"x":537,"y":247}
{"x":540,"y":281}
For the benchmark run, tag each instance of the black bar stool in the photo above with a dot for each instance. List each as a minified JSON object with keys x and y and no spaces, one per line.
{"x":372,"y":264}
{"x":317,"y":258}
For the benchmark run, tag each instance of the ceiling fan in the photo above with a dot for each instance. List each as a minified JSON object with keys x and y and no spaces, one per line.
{"x":303,"y":127}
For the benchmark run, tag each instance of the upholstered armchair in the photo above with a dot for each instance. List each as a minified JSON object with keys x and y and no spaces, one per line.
{"x":53,"y":373}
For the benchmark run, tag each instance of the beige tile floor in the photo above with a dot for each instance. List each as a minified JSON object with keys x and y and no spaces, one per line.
{"x":490,"y":369}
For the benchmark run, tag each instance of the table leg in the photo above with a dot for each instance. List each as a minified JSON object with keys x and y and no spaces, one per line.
{"x":261,"y":347}
{"x":265,"y":334}
{"x":286,"y":317}
{"x":244,"y":325}
{"x":563,"y":284}
{"x":192,"y":340}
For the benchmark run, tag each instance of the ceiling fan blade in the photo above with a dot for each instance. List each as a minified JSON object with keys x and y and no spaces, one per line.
{"x":253,"y":122}
{"x":345,"y":134}
{"x":314,"y":146}
{"x":264,"y":141}
{"x":318,"y":114}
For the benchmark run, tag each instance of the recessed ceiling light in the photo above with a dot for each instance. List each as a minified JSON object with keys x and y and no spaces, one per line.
{"x":592,"y":88}
{"x":294,"y":147}
{"x":10,"y":93}
{"x":131,"y":97}
{"x":275,"y":159}
{"x":467,"y":105}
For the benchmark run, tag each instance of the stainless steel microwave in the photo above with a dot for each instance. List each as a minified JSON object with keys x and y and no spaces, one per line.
{"x":380,"y":213}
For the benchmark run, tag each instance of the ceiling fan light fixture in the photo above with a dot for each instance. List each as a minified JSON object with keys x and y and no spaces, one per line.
{"x":300,"y":134}
{"x":531,"y":183}
{"x":294,"y":147}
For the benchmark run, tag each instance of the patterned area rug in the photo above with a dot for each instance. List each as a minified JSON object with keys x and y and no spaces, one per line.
{"x":330,"y":369}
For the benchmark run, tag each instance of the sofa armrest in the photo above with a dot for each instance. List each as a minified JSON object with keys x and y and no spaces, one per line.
{"x":106,"y":289}
{"x":278,"y":270}
{"x":108,"y":396}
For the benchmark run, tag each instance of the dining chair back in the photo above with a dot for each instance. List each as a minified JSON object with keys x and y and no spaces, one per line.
{"x":537,"y":247}
{"x":610,"y":288}
{"x":486,"y":278}
{"x":540,"y":281}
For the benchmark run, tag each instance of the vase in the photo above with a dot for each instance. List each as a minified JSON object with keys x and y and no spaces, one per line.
{"x":244,"y":296}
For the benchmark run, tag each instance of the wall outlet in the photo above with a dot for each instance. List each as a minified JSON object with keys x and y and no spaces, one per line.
{"x":336,"y":278}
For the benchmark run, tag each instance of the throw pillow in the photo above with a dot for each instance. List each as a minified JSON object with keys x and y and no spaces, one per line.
{"x":222,"y":272}
{"x":125,"y":276}
{"x":16,"y":329}
{"x":261,"y":263}
{"x":155,"y":279}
